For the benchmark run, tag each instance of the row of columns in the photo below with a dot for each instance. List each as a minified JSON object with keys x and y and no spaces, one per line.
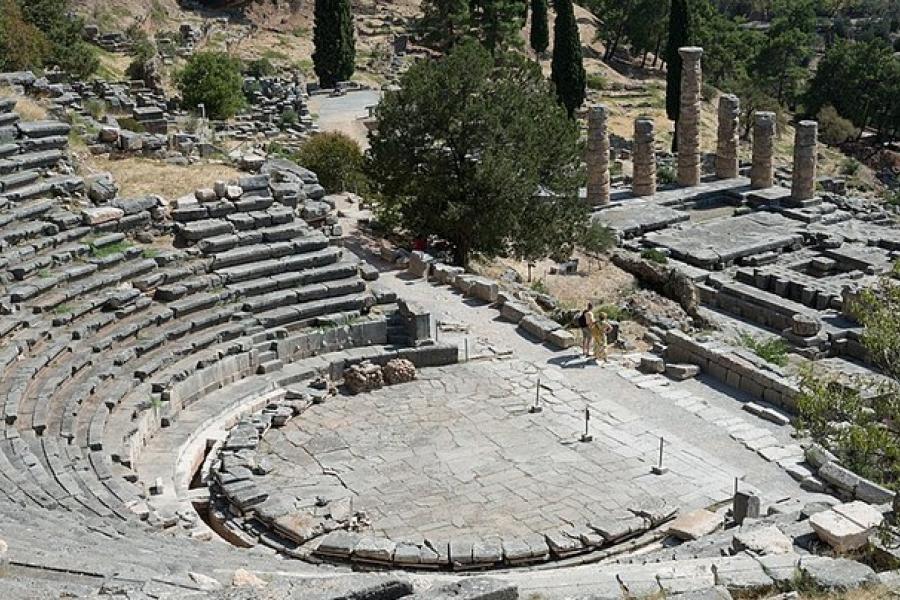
{"x":762,"y":171}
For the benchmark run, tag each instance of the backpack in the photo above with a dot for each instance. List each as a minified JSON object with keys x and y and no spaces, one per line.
{"x":582,"y":320}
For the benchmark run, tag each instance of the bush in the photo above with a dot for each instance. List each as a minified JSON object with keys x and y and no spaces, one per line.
{"x":22,"y":45}
{"x":336,"y":158}
{"x":597,"y":238}
{"x":130,"y":124}
{"x":833,"y":128}
{"x":596,"y":81}
{"x":897,"y":45}
{"x":143,"y":52}
{"x":261,"y":67}
{"x":655,"y":255}
{"x":773,"y":350}
{"x":850,"y":167}
{"x":666,"y":175}
{"x":288,"y":118}
{"x":67,"y":49}
{"x":214,"y":80}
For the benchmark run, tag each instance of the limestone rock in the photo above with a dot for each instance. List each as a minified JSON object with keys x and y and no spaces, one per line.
{"x":399,"y":370}
{"x":101,"y":188}
{"x":837,"y":574}
{"x":363,"y":377}
{"x":846,"y":527}
{"x":244,"y":578}
{"x":762,"y":541}
{"x":694,"y":524}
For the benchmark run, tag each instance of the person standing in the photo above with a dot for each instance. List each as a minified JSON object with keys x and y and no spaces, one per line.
{"x":586,"y":323}
{"x":599,"y":332}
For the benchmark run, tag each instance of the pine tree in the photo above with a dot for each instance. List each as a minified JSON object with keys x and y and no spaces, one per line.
{"x":679,"y":36}
{"x":445,"y":22}
{"x":540,"y":31}
{"x":567,"y":66}
{"x":498,"y":22}
{"x":335,"y":52}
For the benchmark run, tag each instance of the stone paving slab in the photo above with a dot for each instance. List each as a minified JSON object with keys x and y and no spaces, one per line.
{"x":458,"y":452}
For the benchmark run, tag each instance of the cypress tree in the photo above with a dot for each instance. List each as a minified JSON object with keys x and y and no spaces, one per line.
{"x":679,"y":36}
{"x":540,"y":31}
{"x":567,"y":67}
{"x":335,"y":52}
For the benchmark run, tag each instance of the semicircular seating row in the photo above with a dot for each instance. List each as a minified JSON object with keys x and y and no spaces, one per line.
{"x":100,"y":337}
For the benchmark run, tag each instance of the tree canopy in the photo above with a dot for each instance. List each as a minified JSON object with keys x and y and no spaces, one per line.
{"x":495,"y":23}
{"x":540,"y":29}
{"x":214,"y":80}
{"x":567,"y":66}
{"x":44,"y":33}
{"x":475,"y":150}
{"x":334,"y":57}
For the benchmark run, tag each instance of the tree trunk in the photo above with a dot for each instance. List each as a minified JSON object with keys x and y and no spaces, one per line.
{"x":656,"y":51}
{"x":675,"y":139}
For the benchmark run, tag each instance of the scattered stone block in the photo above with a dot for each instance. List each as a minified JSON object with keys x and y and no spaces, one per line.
{"x":561,"y":339}
{"x":762,"y":540}
{"x":680,"y":372}
{"x":846,"y":527}
{"x":538,"y":326}
{"x":694,"y":524}
{"x":652,"y":364}
{"x":837,"y":574}
{"x":101,"y":215}
{"x":514,"y":311}
{"x":363,"y":377}
{"x":420,"y":263}
{"x":470,"y":588}
{"x":745,"y":505}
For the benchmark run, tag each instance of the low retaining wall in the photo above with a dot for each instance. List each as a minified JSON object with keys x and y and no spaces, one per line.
{"x":533,"y":324}
{"x":735,"y":368}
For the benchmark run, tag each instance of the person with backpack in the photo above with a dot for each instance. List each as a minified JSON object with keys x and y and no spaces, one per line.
{"x":586,"y":323}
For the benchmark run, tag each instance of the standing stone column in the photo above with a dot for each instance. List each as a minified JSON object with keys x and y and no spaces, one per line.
{"x":644,"y":158}
{"x":598,"y":156}
{"x":728,"y":143}
{"x":762,"y":172}
{"x":689,"y":116}
{"x":803,"y":183}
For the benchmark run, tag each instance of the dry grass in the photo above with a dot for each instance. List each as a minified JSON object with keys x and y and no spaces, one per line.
{"x":28,"y":108}
{"x":139,"y":176}
{"x":600,"y":283}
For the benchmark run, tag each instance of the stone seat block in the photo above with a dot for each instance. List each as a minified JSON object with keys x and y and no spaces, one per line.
{"x":538,"y":326}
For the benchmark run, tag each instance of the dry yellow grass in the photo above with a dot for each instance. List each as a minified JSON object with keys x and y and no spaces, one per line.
{"x":139,"y":176}
{"x":599,"y":282}
{"x":28,"y":108}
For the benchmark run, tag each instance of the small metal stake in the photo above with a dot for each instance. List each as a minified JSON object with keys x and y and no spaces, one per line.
{"x":536,"y":408}
{"x":659,"y":469}
{"x":735,"y":486}
{"x":587,"y":437}
{"x":467,"y":349}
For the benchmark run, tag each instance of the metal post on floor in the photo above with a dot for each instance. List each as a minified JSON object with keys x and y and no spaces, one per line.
{"x":536,"y":407}
{"x":659,"y":469}
{"x":467,"y":348}
{"x":586,"y":436}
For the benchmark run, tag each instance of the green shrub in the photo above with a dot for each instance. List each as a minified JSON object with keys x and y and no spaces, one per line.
{"x":22,"y":45}
{"x":67,"y":49}
{"x":538,"y":286}
{"x":772,"y":349}
{"x":655,"y":255}
{"x":850,"y":167}
{"x":261,"y":67}
{"x":214,"y":80}
{"x":95,"y":108}
{"x":833,"y":128}
{"x":130,"y":124}
{"x":614,"y":312}
{"x":143,"y":52}
{"x":596,"y":81}
{"x":288,"y":118}
{"x":336,"y":158}
{"x":597,"y":238}
{"x":666,"y":174}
